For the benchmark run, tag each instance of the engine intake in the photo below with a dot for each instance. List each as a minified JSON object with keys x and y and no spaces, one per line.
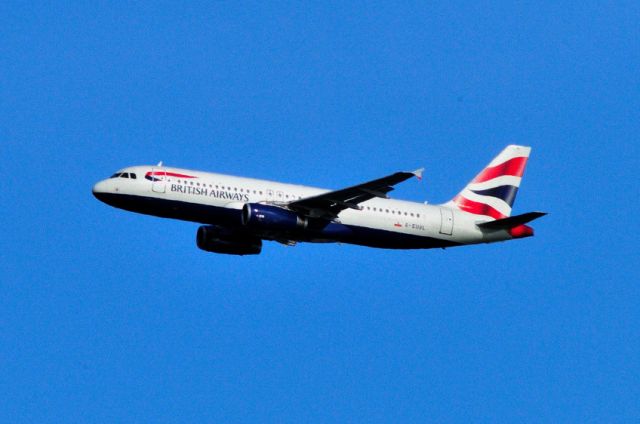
{"x":221,"y":240}
{"x":267,"y":217}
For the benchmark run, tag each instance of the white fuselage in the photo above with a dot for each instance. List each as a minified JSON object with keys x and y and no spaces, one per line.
{"x":218,"y":199}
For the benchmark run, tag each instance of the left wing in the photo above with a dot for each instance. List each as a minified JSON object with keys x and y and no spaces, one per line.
{"x":330,"y":204}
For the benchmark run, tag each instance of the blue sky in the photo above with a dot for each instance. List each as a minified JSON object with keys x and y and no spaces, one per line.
{"x":108,"y":316}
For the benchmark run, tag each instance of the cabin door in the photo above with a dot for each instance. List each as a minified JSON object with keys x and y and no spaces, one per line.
{"x":446,"y":221}
{"x":158,"y":180}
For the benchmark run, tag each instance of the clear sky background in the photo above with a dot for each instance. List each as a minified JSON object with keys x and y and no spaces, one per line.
{"x":109,"y":316}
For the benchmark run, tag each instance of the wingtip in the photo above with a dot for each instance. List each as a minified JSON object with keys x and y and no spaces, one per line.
{"x":418,"y":173}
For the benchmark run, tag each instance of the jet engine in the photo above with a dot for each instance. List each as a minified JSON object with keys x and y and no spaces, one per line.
{"x":271,"y":218}
{"x":221,"y":240}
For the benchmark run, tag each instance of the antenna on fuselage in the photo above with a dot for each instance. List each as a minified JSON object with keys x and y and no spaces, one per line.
{"x":159,"y":163}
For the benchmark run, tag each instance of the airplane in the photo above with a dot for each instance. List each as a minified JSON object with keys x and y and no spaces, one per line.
{"x":238,"y":213}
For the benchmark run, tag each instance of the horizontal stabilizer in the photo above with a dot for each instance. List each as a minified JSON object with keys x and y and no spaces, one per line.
{"x":511,"y":222}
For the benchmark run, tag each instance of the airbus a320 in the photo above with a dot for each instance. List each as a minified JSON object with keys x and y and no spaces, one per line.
{"x":238,"y":213}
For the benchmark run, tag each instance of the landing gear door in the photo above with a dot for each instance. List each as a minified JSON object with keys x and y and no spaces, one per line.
{"x":446,"y":221}
{"x":158,"y":180}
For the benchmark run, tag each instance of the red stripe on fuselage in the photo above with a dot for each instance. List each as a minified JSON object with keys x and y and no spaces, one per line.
{"x":477,"y":208}
{"x":514,"y":167}
{"x":169,"y":174}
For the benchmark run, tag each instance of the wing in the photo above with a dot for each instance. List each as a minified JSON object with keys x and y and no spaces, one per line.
{"x":330,"y":204}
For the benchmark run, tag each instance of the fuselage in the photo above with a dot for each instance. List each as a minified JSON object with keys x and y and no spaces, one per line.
{"x":218,"y":200}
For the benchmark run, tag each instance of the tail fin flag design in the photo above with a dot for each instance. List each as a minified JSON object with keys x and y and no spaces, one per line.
{"x":492,"y":192}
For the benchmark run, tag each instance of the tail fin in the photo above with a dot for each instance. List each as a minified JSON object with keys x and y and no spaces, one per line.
{"x":492,"y":192}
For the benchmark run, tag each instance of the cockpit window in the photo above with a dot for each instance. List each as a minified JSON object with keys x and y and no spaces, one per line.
{"x":124,"y":175}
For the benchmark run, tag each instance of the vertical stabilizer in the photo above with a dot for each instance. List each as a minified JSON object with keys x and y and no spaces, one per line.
{"x":492,"y":192}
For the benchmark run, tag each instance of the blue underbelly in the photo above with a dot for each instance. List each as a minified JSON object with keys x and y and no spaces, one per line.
{"x":316,"y":232}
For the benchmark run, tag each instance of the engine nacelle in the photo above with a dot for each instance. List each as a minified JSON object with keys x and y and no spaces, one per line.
{"x":221,"y":240}
{"x":267,"y":217}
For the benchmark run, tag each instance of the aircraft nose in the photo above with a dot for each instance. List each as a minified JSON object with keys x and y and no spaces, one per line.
{"x":100,"y":189}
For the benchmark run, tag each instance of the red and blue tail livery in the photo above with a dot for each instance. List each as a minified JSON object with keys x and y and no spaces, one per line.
{"x":492,"y":192}
{"x":237,"y":213}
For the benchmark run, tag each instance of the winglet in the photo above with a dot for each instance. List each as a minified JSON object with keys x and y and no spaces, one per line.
{"x":418,"y":173}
